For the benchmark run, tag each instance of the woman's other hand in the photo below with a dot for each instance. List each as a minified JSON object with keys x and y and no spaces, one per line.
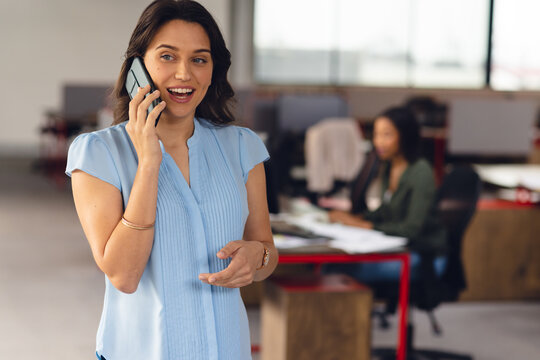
{"x":339,"y":216}
{"x":246,"y":257}
{"x":247,"y":254}
{"x":141,"y":128}
{"x":345,"y":218}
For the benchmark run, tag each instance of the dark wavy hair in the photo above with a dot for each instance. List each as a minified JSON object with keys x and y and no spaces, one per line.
{"x":215,"y":106}
{"x":409,"y":131}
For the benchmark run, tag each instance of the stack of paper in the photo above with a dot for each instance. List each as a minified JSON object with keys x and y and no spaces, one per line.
{"x":347,"y":238}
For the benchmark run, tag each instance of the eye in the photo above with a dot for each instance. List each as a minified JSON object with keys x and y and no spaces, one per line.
{"x":200,"y":60}
{"x":166,"y":57}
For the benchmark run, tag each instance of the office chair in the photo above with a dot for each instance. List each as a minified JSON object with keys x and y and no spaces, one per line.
{"x":456,"y":203}
{"x":428,"y":111}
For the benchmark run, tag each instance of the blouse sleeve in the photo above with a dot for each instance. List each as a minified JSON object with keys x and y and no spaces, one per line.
{"x":90,"y":154}
{"x":252,"y":151}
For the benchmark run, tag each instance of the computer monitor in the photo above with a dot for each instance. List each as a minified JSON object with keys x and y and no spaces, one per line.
{"x":298,"y":112}
{"x":491,"y":127}
{"x":83,"y":100}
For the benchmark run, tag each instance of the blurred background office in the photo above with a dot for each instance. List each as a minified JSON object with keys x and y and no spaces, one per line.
{"x":470,"y":69}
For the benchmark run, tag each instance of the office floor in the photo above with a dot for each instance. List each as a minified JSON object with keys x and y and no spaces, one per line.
{"x":51,"y":292}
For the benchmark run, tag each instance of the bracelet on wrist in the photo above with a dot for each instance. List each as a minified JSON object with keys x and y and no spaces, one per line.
{"x":134,"y":226}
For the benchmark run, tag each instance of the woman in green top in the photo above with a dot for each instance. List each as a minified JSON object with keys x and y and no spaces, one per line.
{"x":408,"y":194}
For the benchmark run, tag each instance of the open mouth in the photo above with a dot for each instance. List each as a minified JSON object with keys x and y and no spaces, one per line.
{"x":181,"y":93}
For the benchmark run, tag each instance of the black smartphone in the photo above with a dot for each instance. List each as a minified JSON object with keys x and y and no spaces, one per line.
{"x":138,"y":77}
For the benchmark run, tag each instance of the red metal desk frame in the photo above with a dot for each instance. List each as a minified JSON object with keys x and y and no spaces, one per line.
{"x":320,"y":259}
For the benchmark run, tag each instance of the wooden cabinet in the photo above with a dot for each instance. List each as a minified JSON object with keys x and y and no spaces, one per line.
{"x":316,"y":318}
{"x":501,"y":252}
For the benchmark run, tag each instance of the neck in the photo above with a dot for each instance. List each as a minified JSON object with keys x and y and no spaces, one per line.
{"x":399,"y":161}
{"x":175,"y":133}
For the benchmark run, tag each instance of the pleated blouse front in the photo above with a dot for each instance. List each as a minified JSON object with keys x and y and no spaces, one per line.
{"x":173,"y":315}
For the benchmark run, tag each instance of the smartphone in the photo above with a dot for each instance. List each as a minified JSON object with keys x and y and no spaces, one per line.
{"x":138,"y":77}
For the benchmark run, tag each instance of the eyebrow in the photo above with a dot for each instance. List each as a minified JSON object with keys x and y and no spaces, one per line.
{"x":174,"y":48}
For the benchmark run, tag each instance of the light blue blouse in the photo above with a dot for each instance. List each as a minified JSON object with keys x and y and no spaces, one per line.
{"x":173,"y":315}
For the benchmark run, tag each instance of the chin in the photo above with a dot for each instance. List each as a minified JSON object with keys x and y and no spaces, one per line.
{"x":178,"y":114}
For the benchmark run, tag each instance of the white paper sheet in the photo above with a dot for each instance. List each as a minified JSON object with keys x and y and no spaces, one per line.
{"x":347,"y":238}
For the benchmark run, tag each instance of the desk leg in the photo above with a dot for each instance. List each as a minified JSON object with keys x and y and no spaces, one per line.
{"x":403,"y":307}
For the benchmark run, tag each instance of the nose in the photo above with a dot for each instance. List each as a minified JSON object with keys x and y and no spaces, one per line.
{"x":183,"y":71}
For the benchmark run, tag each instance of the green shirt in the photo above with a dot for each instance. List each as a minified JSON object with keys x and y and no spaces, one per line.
{"x":411,"y":210}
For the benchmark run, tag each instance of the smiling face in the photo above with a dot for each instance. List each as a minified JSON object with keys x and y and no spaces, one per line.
{"x":386,"y":139}
{"x":179,"y":62}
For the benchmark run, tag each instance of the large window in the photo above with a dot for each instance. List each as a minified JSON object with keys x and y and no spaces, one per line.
{"x":293,"y":44}
{"x":420,"y":43}
{"x":516,"y":53}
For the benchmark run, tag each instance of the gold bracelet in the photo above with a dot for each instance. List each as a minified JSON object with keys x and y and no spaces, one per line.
{"x":135,"y":226}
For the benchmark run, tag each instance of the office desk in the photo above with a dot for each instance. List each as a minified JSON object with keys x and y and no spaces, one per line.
{"x":323,"y":258}
{"x":501,"y":252}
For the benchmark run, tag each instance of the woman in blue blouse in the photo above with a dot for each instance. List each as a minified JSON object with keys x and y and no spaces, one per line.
{"x":175,"y":214}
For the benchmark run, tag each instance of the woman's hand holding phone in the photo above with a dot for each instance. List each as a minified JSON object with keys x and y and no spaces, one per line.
{"x":141,"y":128}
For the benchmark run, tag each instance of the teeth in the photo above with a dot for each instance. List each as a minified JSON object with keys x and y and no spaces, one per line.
{"x":181,"y":91}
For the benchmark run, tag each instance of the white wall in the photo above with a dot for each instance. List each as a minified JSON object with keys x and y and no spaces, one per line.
{"x":47,"y":43}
